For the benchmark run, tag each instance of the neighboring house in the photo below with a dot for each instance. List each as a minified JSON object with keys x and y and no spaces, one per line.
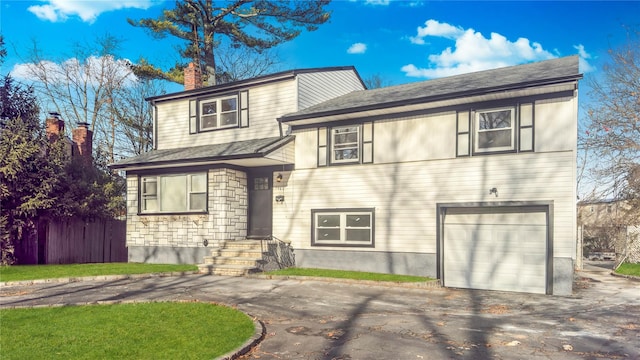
{"x":609,"y":230}
{"x":470,"y":179}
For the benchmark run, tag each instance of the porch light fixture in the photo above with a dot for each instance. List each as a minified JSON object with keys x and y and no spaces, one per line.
{"x":493,"y":191}
{"x":279,"y":178}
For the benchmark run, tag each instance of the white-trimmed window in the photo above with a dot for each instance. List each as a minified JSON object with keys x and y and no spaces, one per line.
{"x":349,"y":144}
{"x":345,"y":144}
{"x":219,"y":113}
{"x":494,"y":130}
{"x":178,"y":193}
{"x":337,"y":227}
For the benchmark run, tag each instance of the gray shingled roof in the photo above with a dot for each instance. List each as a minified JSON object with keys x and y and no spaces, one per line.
{"x":482,"y":82}
{"x":235,"y":85}
{"x":235,"y":150}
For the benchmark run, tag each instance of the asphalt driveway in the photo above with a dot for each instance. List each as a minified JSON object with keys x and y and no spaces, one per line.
{"x":309,"y":319}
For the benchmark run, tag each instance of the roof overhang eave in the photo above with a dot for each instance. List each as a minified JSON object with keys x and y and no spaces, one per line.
{"x":246,"y":161}
{"x":427,"y":103}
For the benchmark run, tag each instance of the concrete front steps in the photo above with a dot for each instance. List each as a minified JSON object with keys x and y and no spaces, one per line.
{"x":233,"y":258}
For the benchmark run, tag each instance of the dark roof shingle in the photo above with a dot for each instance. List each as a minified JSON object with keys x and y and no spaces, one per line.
{"x":480,"y":82}
{"x":202,"y":153}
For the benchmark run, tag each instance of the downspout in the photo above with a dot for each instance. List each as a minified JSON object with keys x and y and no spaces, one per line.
{"x":154,"y":127}
{"x":280,"y":127}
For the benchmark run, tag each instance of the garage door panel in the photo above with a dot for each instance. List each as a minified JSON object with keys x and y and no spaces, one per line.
{"x":495,"y":249}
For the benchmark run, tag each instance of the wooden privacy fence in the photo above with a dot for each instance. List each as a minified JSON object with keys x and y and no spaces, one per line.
{"x":76,"y":242}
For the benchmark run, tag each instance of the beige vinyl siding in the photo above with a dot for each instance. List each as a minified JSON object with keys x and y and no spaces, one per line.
{"x":306,"y":148}
{"x":424,"y":137}
{"x":316,"y":87}
{"x":555,"y":125}
{"x":285,"y":154}
{"x":172,"y":128}
{"x":404,"y":196}
{"x":415,"y":138}
{"x":266,"y":103}
{"x":433,"y":136}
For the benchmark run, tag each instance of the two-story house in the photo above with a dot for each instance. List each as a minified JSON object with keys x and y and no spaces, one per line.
{"x":470,"y":178}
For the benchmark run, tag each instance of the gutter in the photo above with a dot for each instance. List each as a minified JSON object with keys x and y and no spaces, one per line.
{"x":428,"y":99}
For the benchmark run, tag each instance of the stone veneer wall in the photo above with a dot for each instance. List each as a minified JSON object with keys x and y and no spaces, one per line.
{"x":226,"y":218}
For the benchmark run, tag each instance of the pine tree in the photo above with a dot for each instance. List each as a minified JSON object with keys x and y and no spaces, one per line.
{"x":204,"y":24}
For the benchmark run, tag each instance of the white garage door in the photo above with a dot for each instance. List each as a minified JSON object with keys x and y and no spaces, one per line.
{"x":495,"y":249}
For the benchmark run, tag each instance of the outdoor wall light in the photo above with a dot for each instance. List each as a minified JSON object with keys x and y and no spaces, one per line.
{"x":279,"y":198}
{"x":279,"y":178}
{"x":493,"y":191}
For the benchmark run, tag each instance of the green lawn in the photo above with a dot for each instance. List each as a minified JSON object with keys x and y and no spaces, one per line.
{"x":629,"y":269}
{"x":123,"y":331}
{"x":33,"y":272}
{"x":340,"y":274}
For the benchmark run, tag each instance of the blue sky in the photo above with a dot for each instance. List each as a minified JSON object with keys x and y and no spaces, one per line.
{"x":402,"y":41}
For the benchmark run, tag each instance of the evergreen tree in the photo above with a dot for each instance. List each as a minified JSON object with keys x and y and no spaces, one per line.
{"x":29,"y":171}
{"x":39,"y":178}
{"x":204,"y":24}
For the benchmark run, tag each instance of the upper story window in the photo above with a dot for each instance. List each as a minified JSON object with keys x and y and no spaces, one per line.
{"x":495,"y":130}
{"x":351,"y":144}
{"x":219,"y":113}
{"x":216,"y":113}
{"x":178,"y":193}
{"x":345,"y":144}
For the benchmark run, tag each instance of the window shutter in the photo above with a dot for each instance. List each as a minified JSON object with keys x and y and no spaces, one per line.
{"x":526,"y":127}
{"x":244,"y":108}
{"x":463,"y":133}
{"x":193,"y":116}
{"x":367,"y":143}
{"x":322,"y":147}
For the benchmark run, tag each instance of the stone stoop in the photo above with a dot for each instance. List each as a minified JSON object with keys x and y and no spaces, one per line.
{"x":233,"y":258}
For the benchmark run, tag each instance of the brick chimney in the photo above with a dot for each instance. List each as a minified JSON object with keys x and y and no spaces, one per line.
{"x":192,"y":77}
{"x":83,"y":142}
{"x":54,"y":127}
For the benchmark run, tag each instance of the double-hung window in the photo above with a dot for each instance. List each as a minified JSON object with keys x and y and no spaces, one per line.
{"x":178,"y":193}
{"x":349,"y":144}
{"x":219,"y":113}
{"x":495,"y":130}
{"x":345,"y":144}
{"x":352,"y":227}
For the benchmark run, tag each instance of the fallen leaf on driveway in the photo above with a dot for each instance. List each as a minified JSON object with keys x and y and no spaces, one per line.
{"x":495,"y":309}
{"x":567,"y":347}
{"x":513,"y":343}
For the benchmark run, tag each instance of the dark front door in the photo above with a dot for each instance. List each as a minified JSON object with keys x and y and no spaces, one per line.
{"x":260,"y":205}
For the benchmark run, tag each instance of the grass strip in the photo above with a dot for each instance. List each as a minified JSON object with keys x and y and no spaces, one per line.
{"x":629,"y":269}
{"x":35,"y":272}
{"x":124,"y":331}
{"x":341,"y":274}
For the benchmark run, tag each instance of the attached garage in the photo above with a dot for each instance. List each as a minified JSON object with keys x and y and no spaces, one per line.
{"x":496,"y":247}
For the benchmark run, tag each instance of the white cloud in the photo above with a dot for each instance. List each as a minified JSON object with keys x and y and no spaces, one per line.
{"x":88,"y":11}
{"x":357,"y":48}
{"x":92,"y":71}
{"x":377,"y":2}
{"x":584,"y":55}
{"x":438,"y":29}
{"x":472,"y":51}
